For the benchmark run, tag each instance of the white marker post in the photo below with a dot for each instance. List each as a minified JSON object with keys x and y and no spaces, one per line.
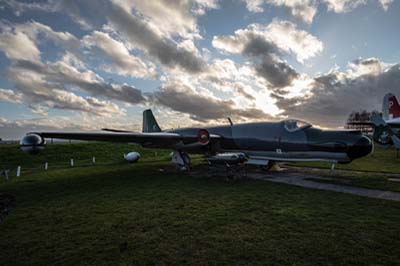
{"x":333,"y":167}
{"x":18,"y":171}
{"x":46,"y":166}
{"x":72,"y":162}
{"x":93,"y":160}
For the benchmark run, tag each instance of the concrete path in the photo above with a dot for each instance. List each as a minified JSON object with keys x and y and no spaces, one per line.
{"x":298,"y":179}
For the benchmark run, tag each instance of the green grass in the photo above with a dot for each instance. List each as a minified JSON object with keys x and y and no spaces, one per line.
{"x":58,"y":153}
{"x":382,"y":160}
{"x":131,"y":214}
{"x":365,"y":180}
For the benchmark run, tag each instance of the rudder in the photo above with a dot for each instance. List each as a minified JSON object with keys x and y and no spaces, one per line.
{"x":149,"y":122}
{"x":390,"y":107}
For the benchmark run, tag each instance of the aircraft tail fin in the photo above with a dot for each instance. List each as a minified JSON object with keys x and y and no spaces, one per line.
{"x":383,"y":134}
{"x":149,"y":122}
{"x":390,"y":107}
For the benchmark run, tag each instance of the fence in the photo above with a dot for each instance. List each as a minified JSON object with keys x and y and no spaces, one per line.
{"x":12,"y":171}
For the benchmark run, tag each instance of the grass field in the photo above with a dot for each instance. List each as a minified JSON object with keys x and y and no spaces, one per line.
{"x":382,"y":160}
{"x":131,"y":214}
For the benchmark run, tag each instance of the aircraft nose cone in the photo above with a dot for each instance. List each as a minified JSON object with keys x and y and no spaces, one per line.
{"x":361,"y":148}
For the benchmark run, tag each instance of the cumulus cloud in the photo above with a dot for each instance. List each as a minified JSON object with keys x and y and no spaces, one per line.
{"x":10,"y":96}
{"x":303,"y":10}
{"x":19,"y":42}
{"x":278,"y":35}
{"x":266,"y":45}
{"x":167,"y":17}
{"x":124,"y":63}
{"x":201,"y":6}
{"x":43,"y":86}
{"x":18,"y":46}
{"x":82,"y":12}
{"x":60,"y":74}
{"x":40,"y":102}
{"x":336,"y":94}
{"x":15,"y":129}
{"x":341,"y":6}
{"x":141,"y":35}
{"x":202,"y":108}
{"x":385,"y":4}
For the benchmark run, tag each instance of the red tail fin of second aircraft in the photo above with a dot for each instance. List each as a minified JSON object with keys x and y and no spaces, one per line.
{"x":394,"y":107}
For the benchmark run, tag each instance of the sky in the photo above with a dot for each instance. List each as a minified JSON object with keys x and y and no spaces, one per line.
{"x":88,"y":64}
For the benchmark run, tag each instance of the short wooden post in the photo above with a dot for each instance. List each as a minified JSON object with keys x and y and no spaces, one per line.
{"x":333,"y":167}
{"x":18,"y":171}
{"x":72,"y":162}
{"x":93,"y":160}
{"x":46,"y":166}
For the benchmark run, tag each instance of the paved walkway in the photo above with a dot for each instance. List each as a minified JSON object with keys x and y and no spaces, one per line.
{"x":298,"y":179}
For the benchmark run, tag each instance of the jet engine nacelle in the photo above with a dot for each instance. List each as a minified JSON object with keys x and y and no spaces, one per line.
{"x":132,"y":157}
{"x":32,"y":144}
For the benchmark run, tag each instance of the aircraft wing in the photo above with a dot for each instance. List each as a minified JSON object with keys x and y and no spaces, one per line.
{"x":156,"y":139}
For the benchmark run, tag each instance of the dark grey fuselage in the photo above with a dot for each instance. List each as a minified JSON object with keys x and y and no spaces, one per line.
{"x":273,"y":141}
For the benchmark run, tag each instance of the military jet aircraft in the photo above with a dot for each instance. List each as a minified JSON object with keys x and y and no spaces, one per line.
{"x":387,"y":127}
{"x":260,"y":143}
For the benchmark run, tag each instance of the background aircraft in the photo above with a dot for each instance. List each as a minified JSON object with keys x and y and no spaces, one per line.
{"x":387,"y":127}
{"x":391,"y":113}
{"x":253,"y":143}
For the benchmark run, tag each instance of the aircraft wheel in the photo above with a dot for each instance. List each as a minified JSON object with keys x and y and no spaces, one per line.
{"x":186,"y":158}
{"x":268,"y":166}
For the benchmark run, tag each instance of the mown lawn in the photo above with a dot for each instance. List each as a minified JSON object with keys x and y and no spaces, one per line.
{"x":382,"y":160}
{"x":132,"y":214}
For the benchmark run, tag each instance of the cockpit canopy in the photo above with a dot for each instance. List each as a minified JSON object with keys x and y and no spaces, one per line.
{"x":293,"y":125}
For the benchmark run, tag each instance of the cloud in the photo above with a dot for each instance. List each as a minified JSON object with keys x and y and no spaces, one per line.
{"x":167,"y":17}
{"x":201,"y":6}
{"x":10,"y":96}
{"x":254,"y":5}
{"x":336,"y":94}
{"x":38,"y":76}
{"x":123,"y":62}
{"x":241,"y":90}
{"x":82,"y":12}
{"x":41,"y":102}
{"x":19,"y":42}
{"x":385,"y":4}
{"x":37,"y":31}
{"x":202,"y":108}
{"x":266,"y":45}
{"x":342,"y":6}
{"x":16,"y":129}
{"x":18,"y":46}
{"x":277,"y":36}
{"x":305,"y":10}
{"x":141,"y":35}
